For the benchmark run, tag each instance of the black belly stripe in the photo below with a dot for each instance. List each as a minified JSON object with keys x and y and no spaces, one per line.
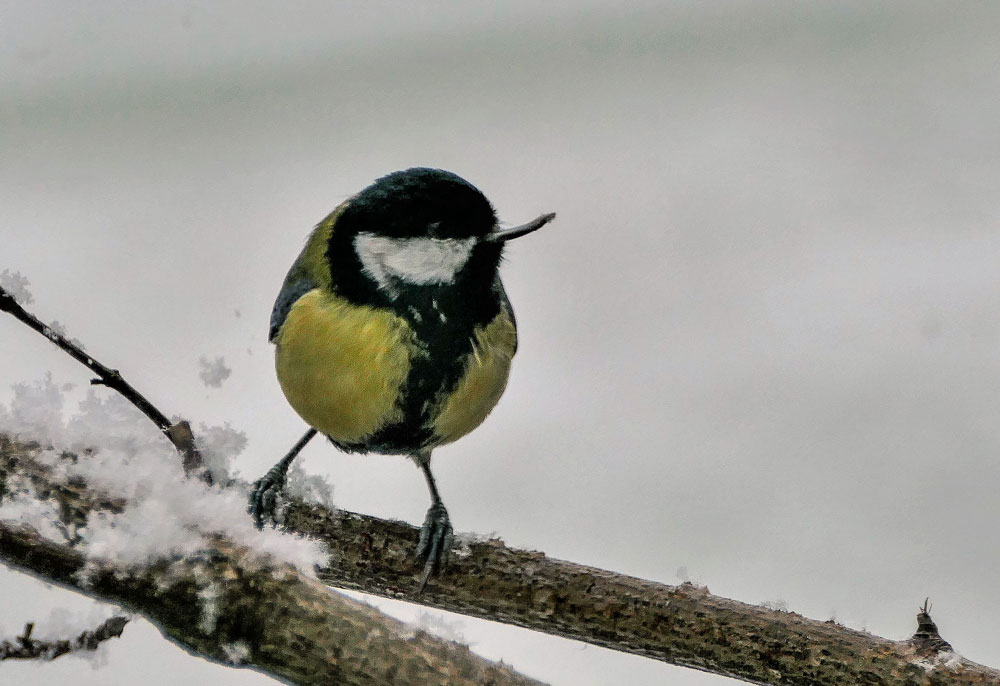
{"x":444,"y":322}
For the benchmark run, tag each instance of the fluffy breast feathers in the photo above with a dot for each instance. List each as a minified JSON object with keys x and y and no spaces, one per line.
{"x":343,"y":368}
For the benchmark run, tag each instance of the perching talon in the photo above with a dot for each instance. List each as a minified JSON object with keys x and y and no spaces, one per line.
{"x":436,"y":538}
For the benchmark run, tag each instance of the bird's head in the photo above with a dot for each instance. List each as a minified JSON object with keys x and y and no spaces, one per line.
{"x":415,"y":230}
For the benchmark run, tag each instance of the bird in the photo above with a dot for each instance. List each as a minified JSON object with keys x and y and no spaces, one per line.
{"x":392,"y":330}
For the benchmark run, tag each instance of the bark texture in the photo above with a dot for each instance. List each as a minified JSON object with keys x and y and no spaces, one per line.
{"x":683,"y":625}
{"x":234,"y":606}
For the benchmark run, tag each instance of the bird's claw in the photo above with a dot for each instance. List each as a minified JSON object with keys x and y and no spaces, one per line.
{"x":264,"y":497}
{"x":436,"y":537}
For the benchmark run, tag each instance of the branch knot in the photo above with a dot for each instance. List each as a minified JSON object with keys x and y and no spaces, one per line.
{"x":926,"y":640}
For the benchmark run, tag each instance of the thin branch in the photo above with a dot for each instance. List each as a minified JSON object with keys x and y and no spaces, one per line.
{"x":26,"y":648}
{"x":178,"y":434}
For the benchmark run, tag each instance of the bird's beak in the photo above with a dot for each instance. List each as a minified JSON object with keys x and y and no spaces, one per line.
{"x":523,"y":229}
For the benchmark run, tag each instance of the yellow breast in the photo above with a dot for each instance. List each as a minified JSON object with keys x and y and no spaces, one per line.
{"x":341,"y":366}
{"x":482,"y":383}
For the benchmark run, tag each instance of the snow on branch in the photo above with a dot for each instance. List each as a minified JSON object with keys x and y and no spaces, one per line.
{"x":14,"y":295}
{"x":226,"y":600}
{"x":24,"y":647}
{"x":232,"y":603}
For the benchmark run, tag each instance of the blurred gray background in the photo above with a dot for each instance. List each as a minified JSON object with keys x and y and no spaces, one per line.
{"x":759,"y":346}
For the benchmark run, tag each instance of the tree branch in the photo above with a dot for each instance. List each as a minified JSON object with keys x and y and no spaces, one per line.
{"x":25,"y":647}
{"x":179,"y":434}
{"x":233,"y":605}
{"x":683,"y":625}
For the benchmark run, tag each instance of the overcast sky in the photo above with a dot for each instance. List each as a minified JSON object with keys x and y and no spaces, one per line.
{"x":759,"y":346}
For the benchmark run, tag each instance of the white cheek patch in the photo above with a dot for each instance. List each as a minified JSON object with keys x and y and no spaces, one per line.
{"x":418,"y":261}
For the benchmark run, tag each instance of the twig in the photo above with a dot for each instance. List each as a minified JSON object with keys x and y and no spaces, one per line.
{"x":926,"y":640}
{"x":178,"y":434}
{"x":27,"y":648}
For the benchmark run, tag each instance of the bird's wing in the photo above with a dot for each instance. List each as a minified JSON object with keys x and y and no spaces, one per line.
{"x":297,"y":283}
{"x":310,"y":270}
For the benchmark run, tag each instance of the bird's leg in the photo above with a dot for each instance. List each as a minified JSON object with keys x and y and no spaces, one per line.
{"x":264,"y":494}
{"x":436,"y":535}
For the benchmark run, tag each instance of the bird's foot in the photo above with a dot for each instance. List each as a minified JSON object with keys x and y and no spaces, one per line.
{"x":436,"y":537}
{"x":265,"y":490}
{"x":264,"y":496}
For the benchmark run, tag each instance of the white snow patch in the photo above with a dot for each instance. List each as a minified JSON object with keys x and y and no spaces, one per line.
{"x":170,"y":516}
{"x":107,"y":420}
{"x":36,"y":410}
{"x":219,"y":446}
{"x":236,"y":652}
{"x":122,"y":454}
{"x":311,"y":488}
{"x":209,"y":597}
{"x":17,"y":285}
{"x":464,"y":540}
{"x":56,"y":329}
{"x":436,"y":625}
{"x":213,"y":372}
{"x":21,"y":506}
{"x":947,"y":659}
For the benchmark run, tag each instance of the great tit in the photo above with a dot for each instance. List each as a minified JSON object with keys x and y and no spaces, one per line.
{"x":392,"y":330}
